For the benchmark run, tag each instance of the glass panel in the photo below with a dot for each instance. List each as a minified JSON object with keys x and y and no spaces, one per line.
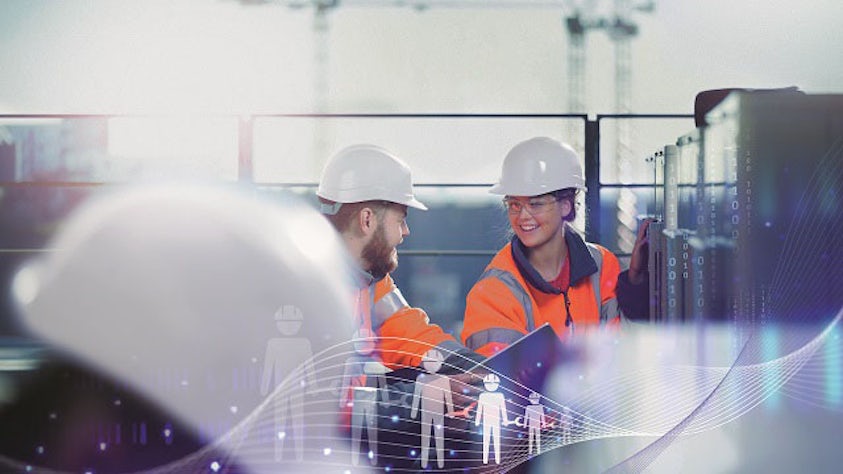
{"x":643,"y":137}
{"x":166,"y":147}
{"x":10,"y":262}
{"x":118,"y":149}
{"x":642,"y":203}
{"x":439,"y":284}
{"x":439,"y":150}
{"x":30,"y":215}
{"x":458,"y":219}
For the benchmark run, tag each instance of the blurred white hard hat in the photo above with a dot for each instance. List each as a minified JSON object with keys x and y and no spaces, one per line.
{"x":189,"y":281}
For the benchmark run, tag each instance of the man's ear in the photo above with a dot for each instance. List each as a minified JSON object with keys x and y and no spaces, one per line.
{"x":367,"y":221}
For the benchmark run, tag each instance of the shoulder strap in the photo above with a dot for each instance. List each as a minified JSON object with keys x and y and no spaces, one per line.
{"x":597,"y":255}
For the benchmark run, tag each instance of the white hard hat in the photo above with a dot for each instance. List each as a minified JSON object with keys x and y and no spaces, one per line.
{"x":539,"y":166}
{"x":367,"y":173}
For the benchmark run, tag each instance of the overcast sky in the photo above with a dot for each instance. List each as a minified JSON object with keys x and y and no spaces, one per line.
{"x":198,"y":56}
{"x":216,"y":55}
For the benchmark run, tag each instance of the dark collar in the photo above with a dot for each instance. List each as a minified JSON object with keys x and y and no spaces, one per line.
{"x":581,"y":261}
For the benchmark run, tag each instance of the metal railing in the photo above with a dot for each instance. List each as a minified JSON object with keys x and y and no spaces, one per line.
{"x":245,"y":157}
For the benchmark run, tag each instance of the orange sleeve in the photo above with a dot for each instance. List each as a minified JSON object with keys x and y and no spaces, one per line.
{"x":493,"y":317}
{"x":407,"y":334}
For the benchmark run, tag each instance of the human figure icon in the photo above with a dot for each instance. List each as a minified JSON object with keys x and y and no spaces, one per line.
{"x":292,"y":357}
{"x":433,"y":393}
{"x":491,"y":409}
{"x":535,"y":420}
{"x":363,"y":381}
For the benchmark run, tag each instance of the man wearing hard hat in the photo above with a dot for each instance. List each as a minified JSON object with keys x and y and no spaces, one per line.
{"x":365,"y":192}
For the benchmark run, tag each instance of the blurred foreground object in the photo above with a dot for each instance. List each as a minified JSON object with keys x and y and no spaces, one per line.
{"x":173,"y":292}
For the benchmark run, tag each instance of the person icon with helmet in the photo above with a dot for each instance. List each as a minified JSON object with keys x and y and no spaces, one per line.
{"x":547,"y":273}
{"x":363,"y":380}
{"x":535,"y":420}
{"x":434,"y":392}
{"x":278,"y":365}
{"x":491,"y":409}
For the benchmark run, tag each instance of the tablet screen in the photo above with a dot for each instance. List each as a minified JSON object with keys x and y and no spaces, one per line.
{"x":527,"y":360}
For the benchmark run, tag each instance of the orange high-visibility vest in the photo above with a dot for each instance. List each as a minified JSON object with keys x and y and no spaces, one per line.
{"x":511,"y":299}
{"x":403,"y":333}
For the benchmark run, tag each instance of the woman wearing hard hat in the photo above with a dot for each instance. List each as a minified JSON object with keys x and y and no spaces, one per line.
{"x":547,"y":273}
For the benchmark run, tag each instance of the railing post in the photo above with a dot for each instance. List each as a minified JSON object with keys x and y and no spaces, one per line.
{"x":592,"y":179}
{"x":245,"y":168}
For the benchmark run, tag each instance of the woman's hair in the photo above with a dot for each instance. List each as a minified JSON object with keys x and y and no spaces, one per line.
{"x":570,"y":195}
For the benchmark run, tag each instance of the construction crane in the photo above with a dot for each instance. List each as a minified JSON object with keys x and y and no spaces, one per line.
{"x":621,"y":30}
{"x":321,"y":34}
{"x":580,"y":20}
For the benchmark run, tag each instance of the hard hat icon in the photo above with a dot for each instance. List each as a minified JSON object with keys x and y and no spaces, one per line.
{"x":432,"y":360}
{"x":491,"y":382}
{"x":288,"y":319}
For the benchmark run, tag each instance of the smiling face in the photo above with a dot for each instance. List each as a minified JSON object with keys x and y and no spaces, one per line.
{"x":537,"y":220}
{"x":381,"y":253}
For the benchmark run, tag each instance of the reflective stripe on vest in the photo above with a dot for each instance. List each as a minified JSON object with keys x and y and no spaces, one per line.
{"x":363,"y":304}
{"x":597,"y":255}
{"x":387,"y":306}
{"x":502,"y":335}
{"x":609,"y":309}
{"x":517,"y":290}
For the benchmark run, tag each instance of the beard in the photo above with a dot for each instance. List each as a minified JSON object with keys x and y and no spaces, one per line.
{"x":379,"y":255}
